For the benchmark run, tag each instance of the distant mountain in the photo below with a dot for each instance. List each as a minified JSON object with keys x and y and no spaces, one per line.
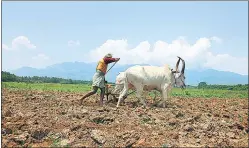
{"x":85,"y":71}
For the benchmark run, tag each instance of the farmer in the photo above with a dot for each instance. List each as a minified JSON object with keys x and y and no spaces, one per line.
{"x":99,"y":77}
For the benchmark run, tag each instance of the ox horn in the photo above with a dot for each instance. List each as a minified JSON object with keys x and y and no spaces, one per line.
{"x":183,"y":65}
{"x":177,"y":64}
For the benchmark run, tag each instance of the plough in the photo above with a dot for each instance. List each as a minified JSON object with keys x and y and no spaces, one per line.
{"x":109,"y":91}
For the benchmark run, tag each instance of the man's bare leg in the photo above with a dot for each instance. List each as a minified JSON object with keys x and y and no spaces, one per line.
{"x":94,"y":90}
{"x":102,"y":95}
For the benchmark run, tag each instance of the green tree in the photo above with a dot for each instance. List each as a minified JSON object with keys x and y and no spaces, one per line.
{"x":202,"y":85}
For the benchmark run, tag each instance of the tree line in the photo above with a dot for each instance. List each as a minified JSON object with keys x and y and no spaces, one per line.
{"x":8,"y":77}
{"x":204,"y":85}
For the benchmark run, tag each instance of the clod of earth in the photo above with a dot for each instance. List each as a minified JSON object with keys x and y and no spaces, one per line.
{"x":64,"y":142}
{"x":230,"y":134}
{"x":39,"y":134}
{"x":226,"y":116}
{"x":8,"y":113}
{"x":198,"y":140}
{"x":188,"y":128}
{"x":179,"y":115}
{"x":102,"y":119}
{"x":6,"y":131}
{"x":21,"y":138}
{"x":130,"y":142}
{"x":98,"y":136}
{"x":239,"y":126}
{"x":75,"y":128}
{"x":141,"y":141}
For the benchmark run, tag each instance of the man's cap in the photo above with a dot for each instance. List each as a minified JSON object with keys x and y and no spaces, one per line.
{"x":109,"y":55}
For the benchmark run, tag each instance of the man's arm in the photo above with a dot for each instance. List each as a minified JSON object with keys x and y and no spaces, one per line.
{"x":110,"y":60}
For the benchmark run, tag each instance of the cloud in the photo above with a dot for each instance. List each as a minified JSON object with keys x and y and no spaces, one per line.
{"x":5,"y":47}
{"x":40,"y":61}
{"x":197,"y":55}
{"x":40,"y":56}
{"x":22,"y":56}
{"x":72,"y":43}
{"x":19,"y":42}
{"x":227,"y":62}
{"x":217,"y":39}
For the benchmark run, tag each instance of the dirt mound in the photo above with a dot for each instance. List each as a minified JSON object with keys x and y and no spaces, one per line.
{"x":43,"y":119}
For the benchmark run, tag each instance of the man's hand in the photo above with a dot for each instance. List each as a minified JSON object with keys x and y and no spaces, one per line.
{"x":117,"y":59}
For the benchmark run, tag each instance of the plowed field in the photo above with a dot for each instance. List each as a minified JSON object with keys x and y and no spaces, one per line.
{"x":46,"y":118}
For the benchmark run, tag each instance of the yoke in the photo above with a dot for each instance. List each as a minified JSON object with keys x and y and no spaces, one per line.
{"x":109,"y":91}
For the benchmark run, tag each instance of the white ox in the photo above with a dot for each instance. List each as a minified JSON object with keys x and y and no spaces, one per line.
{"x":152,"y":78}
{"x":119,"y":85}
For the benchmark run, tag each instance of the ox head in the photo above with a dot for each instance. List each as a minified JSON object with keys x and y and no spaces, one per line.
{"x":179,"y":78}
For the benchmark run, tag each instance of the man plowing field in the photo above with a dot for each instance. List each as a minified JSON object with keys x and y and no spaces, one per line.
{"x":99,"y":77}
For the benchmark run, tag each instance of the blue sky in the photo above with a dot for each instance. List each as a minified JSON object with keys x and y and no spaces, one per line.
{"x":49,"y":26}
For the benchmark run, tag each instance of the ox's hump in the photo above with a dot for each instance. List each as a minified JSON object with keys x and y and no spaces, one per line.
{"x":167,"y":67}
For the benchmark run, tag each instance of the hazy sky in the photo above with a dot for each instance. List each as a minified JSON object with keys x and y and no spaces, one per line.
{"x":205,"y":34}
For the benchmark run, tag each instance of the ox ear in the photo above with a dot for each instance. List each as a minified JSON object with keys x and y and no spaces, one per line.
{"x":174,"y":71}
